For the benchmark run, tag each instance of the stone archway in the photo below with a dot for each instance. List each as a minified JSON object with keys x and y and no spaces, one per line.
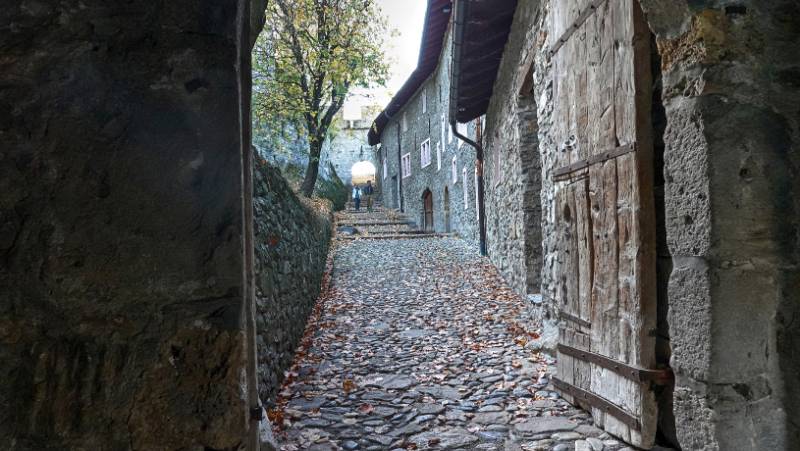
{"x":446,"y":209}
{"x":528,"y":130}
{"x":363,"y":172}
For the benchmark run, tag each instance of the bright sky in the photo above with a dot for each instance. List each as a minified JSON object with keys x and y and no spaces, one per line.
{"x":402,"y":51}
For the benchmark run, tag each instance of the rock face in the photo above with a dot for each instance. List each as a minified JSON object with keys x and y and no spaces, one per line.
{"x":121,"y":226}
{"x":292,"y":238}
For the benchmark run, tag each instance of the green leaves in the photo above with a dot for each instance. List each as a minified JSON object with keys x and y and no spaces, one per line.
{"x":311,"y":53}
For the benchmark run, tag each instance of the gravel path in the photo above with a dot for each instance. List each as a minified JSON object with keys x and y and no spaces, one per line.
{"x":419,"y":345}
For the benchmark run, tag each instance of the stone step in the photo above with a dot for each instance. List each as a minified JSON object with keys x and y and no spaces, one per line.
{"x":394,"y":236}
{"x":372,"y":223}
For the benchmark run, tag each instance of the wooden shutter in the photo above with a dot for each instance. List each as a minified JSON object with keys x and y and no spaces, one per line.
{"x":605,"y":218}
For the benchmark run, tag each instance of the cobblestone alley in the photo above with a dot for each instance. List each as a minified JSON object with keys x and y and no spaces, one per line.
{"x":419,"y":345}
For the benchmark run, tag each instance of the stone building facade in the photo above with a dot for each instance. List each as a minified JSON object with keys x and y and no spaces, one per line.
{"x":437,"y":163}
{"x":727,"y":199}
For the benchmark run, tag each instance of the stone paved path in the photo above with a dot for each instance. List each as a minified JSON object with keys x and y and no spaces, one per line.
{"x":419,"y":345}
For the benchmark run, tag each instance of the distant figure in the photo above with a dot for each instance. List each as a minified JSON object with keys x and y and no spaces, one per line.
{"x":357,"y":197}
{"x":368,"y":194}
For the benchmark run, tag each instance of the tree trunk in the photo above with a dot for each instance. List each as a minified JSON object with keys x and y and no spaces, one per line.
{"x":310,"y":180}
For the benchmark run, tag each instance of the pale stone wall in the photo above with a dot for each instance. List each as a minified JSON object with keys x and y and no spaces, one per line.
{"x":348,"y":147}
{"x":121,"y":226}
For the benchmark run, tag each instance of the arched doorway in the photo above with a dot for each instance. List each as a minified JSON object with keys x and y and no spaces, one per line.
{"x":446,"y":210}
{"x":427,"y":214}
{"x":362,"y":172}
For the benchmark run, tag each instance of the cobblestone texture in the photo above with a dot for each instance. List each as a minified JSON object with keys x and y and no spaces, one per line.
{"x":420,"y":345}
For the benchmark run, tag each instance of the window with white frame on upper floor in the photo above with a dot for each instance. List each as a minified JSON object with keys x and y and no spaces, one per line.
{"x":405,"y":122}
{"x":463,"y":129}
{"x":405,"y":165}
{"x":443,"y":127}
{"x":438,"y":156}
{"x":465,"y":188}
{"x":454,"y":170}
{"x":425,"y":153}
{"x":424,"y":100}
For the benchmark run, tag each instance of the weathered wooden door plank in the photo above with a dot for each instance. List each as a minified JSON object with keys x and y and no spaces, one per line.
{"x":605,"y":264}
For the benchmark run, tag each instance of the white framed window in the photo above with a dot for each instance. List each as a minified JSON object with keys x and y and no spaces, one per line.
{"x":477,"y":207}
{"x":405,"y":165}
{"x":385,"y":169}
{"x":425,"y":153}
{"x":438,"y":156}
{"x":424,"y":100}
{"x":463,"y":129}
{"x":443,"y":131}
{"x":449,"y":133}
{"x":465,"y":188}
{"x":454,"y":170}
{"x":405,"y":122}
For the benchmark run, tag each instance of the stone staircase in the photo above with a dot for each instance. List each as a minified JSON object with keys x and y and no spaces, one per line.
{"x":379,"y":224}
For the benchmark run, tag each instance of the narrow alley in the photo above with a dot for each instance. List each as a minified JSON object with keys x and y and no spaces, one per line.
{"x":582,"y":225}
{"x":420,"y":345}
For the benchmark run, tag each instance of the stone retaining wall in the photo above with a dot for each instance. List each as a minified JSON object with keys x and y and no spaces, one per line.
{"x":292,"y":239}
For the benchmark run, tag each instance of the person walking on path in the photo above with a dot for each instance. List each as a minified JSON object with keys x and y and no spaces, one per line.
{"x":357,"y":197}
{"x":368,"y":194}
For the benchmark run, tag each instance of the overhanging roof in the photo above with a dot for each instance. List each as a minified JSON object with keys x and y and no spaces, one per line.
{"x":480,"y":32}
{"x":437,"y":18}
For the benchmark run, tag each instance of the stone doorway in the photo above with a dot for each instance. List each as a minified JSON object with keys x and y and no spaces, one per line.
{"x":362,"y":172}
{"x":446,"y":209}
{"x":427,"y":214}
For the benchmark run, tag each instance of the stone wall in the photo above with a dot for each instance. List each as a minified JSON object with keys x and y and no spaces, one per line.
{"x":348,"y":147}
{"x":433,"y":125}
{"x":512,"y":172}
{"x":292,"y":239}
{"x":121,"y":228}
{"x":730,"y":214}
{"x":345,"y":147}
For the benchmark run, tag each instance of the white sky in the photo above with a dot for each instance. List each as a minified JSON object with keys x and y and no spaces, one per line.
{"x":402,"y":51}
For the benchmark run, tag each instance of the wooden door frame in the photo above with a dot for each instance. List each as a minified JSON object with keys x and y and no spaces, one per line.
{"x":446,"y":201}
{"x":427,"y":199}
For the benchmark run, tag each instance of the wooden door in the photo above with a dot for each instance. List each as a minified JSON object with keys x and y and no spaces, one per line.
{"x":446,"y":210}
{"x":427,"y":200}
{"x":604,"y":214}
